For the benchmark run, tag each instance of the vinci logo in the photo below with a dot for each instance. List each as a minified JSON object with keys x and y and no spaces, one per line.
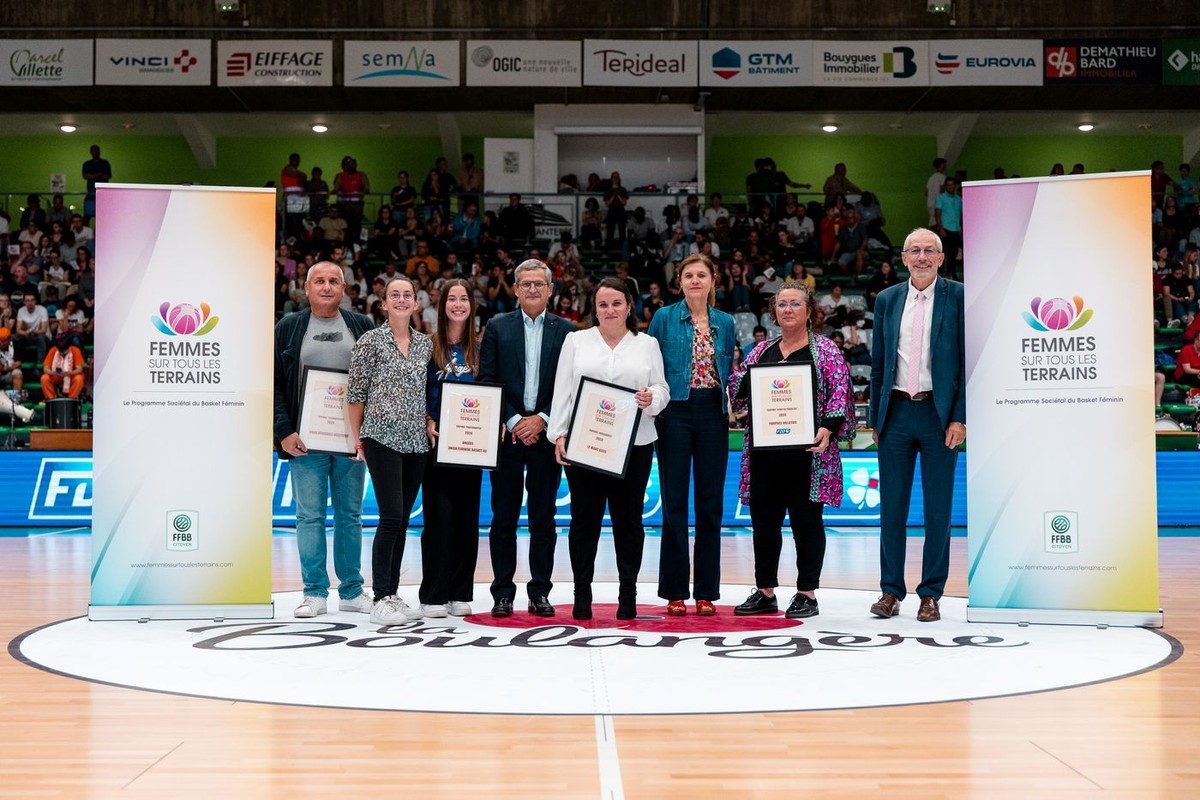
{"x":945,"y":64}
{"x":184,"y":319}
{"x":63,"y":490}
{"x":726,"y":63}
{"x":238,"y":65}
{"x":1062,"y":62}
{"x":1057,"y":314}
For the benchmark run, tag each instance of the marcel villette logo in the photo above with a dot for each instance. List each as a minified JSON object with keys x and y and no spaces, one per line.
{"x":1057,"y":314}
{"x":184,"y":319}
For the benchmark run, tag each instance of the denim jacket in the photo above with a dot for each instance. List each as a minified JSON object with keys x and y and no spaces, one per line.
{"x":672,"y":327}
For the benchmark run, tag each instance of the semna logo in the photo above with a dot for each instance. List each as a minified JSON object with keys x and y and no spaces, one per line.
{"x":1057,"y":314}
{"x":184,"y":319}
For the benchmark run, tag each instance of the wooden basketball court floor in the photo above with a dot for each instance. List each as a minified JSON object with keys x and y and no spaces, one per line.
{"x":66,"y":738}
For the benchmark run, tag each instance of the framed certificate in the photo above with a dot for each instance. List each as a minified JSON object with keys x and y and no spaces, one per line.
{"x":783,"y":403}
{"x":469,"y":427}
{"x":603,"y":425}
{"x":323,"y":425}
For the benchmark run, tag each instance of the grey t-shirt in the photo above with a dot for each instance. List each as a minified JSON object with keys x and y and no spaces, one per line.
{"x":327,"y":343}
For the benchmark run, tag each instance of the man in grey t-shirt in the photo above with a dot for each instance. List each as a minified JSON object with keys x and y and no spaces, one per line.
{"x":321,"y":337}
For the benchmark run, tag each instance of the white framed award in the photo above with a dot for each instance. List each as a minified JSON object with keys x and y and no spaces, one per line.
{"x":604,"y":423}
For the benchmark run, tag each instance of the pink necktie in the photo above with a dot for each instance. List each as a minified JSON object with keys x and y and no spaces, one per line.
{"x":914,"y":345}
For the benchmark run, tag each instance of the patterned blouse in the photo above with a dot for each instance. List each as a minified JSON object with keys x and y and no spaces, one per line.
{"x":704,"y":360}
{"x":393,"y":388}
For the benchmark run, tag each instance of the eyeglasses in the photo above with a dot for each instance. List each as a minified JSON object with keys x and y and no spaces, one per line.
{"x":532,"y":286}
{"x":401,"y":296}
{"x":916,"y":252}
{"x":794,"y":305}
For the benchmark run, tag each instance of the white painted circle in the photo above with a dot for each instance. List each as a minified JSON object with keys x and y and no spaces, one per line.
{"x":844,"y":658}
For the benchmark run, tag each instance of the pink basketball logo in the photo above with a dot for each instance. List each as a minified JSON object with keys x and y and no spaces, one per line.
{"x":184,"y":319}
{"x":780,"y":383}
{"x":470,"y":402}
{"x":335,"y":391}
{"x":1057,"y":314}
{"x":607,"y":405}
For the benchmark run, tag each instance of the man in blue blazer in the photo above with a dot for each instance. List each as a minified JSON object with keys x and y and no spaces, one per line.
{"x":520,"y":350}
{"x":918,"y":405}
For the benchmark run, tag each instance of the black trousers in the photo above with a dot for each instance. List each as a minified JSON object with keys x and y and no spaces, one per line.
{"x":534,"y":470}
{"x":693,"y":440}
{"x":450,"y":540}
{"x":625,"y":498}
{"x":779,"y":484}
{"x":396,"y":478}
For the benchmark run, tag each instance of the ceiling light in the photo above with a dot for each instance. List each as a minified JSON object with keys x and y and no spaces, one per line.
{"x":67,"y":128}
{"x":319,"y":128}
{"x":829,"y":128}
{"x":1085,"y":127}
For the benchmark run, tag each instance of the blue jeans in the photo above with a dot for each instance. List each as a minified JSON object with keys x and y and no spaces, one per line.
{"x":313,"y":476}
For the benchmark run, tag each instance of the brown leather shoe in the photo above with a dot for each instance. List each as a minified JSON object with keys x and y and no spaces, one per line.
{"x":929,"y":610}
{"x":886,"y":606}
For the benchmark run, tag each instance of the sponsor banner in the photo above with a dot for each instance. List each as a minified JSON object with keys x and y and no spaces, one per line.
{"x":1076,"y":61}
{"x":181,"y":513}
{"x":985,"y":62}
{"x":883,"y":63}
{"x":153,"y":62}
{"x":45,"y":62}
{"x":1059,"y":521}
{"x":639,"y":62}
{"x":1181,"y":62}
{"x":502,"y":62}
{"x":781,"y":63}
{"x":401,"y":63}
{"x":275,"y":63}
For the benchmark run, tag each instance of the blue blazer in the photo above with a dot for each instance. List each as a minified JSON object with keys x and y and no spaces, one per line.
{"x":502,"y":360}
{"x":946,"y":352}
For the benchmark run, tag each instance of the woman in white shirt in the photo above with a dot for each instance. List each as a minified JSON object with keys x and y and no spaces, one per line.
{"x":613,"y":351}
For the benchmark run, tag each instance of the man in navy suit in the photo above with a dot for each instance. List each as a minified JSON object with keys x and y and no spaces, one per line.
{"x":918,"y":405}
{"x":520,"y":350}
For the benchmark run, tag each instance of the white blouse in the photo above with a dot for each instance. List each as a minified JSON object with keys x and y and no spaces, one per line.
{"x":636,"y":363}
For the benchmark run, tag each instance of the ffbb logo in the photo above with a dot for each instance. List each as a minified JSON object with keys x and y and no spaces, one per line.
{"x":183,"y":530}
{"x":1061,"y":531}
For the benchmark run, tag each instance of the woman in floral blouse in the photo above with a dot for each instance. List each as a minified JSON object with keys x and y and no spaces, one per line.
{"x":800,"y":484}
{"x":386,"y":402}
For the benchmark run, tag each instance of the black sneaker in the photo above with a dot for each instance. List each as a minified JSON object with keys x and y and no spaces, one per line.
{"x":801,"y":607}
{"x":757,"y":603}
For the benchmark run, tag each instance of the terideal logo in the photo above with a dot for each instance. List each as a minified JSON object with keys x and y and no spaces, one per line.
{"x":1062,"y":62}
{"x":184,"y":319}
{"x":726,"y":63}
{"x":1057,"y":314}
{"x":946,"y":64}
{"x":639,"y":65}
{"x":780,"y":383}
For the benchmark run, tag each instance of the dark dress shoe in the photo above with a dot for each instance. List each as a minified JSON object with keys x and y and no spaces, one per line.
{"x":929,"y":611}
{"x":582,"y":610}
{"x":886,"y":606}
{"x":626,"y":602}
{"x":503,"y":608}
{"x":540,"y":607}
{"x":802,"y":606}
{"x":757,"y":603}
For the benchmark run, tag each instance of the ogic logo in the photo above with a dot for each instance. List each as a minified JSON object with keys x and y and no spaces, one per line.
{"x":901,"y":62}
{"x":780,"y":383}
{"x":470,"y":402}
{"x":862,"y":488}
{"x":184,"y":319}
{"x":482,"y":56}
{"x":726,"y":63}
{"x":183,"y":530}
{"x":946,"y":64}
{"x":1061,"y":531}
{"x":607,"y":405}
{"x":335,"y":391}
{"x":1057,"y":314}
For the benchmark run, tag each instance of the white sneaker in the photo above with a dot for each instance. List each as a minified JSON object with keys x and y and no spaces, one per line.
{"x":24,"y":413}
{"x":458,"y":608}
{"x":428,"y":610}
{"x":312,"y":606}
{"x":389,"y":611}
{"x":363,"y":604}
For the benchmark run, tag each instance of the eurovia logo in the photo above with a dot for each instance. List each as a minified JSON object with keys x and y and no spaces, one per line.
{"x":947,"y":64}
{"x":1057,"y":314}
{"x":726,"y":63}
{"x":184,"y":319}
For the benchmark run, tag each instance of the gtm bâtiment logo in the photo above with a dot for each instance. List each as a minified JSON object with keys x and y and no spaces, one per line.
{"x":1057,"y":314}
{"x":184,"y":319}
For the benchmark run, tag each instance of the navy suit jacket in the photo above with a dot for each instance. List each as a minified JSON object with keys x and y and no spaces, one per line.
{"x":946,"y":351}
{"x":502,"y":360}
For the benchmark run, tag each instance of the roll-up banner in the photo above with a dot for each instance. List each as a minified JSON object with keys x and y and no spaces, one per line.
{"x":1061,"y":522}
{"x":181,"y":523}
